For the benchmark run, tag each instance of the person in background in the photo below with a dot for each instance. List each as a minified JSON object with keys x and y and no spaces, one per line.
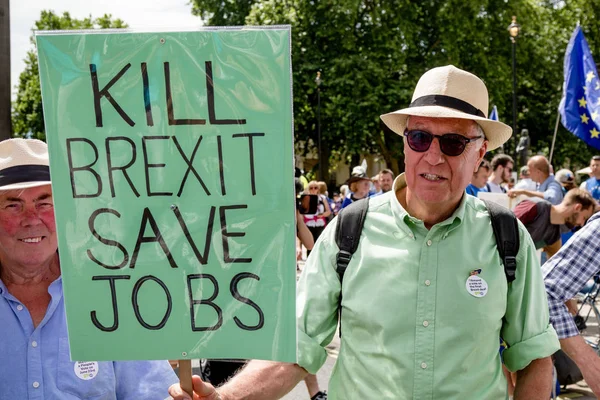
{"x":317,"y":222}
{"x":323,"y":192}
{"x":565,"y":275}
{"x":525,"y":181}
{"x":34,"y":346}
{"x":502,"y":165}
{"x":549,"y":189}
{"x":479,"y":178}
{"x":566,"y":178}
{"x":298,"y":173}
{"x":375,"y":187}
{"x":592,"y":184}
{"x":359,"y":185}
{"x":511,"y":183}
{"x":337,"y":200}
{"x":545,"y":222}
{"x":386,"y":180}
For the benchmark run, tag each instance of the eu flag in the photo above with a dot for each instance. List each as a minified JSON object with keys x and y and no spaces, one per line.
{"x":580,"y":105}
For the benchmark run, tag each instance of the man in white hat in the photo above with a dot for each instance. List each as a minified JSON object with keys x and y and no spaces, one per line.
{"x":34,"y":347}
{"x":425,"y":298}
{"x":359,"y":185}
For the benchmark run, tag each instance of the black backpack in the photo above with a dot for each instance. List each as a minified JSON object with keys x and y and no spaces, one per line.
{"x":352,"y":218}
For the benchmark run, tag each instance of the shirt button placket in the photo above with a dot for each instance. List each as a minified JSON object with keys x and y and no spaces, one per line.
{"x":34,"y":368}
{"x":426,"y":299}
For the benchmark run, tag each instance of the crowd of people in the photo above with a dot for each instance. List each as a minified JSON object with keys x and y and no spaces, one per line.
{"x":425,"y":297}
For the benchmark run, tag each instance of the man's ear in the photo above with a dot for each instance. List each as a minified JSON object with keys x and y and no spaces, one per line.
{"x":577,"y":207}
{"x":482,"y":150}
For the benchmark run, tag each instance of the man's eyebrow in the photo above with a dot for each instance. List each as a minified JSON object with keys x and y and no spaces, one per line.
{"x":10,"y":198}
{"x":44,"y":197}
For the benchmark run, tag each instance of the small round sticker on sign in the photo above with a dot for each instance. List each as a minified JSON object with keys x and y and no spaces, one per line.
{"x":477,"y":286}
{"x":86,"y":370}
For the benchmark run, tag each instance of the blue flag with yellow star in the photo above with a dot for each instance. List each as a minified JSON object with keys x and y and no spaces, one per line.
{"x":580,"y":105}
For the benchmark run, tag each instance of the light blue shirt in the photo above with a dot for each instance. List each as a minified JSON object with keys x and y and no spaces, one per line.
{"x":592,"y":185}
{"x":552,"y":190}
{"x":35,"y":361}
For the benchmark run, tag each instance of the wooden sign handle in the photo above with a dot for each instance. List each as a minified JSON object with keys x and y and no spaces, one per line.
{"x":185,"y":376}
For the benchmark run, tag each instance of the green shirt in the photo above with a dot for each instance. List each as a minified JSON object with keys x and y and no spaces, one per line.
{"x":410,"y":327}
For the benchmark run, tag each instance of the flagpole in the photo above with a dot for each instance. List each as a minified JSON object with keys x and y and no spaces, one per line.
{"x":554,"y":137}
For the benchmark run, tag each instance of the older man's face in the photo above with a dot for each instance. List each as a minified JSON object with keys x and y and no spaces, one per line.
{"x":27,"y":227}
{"x":433,"y":177}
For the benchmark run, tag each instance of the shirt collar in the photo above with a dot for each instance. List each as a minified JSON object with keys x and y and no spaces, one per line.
{"x":55,"y":287}
{"x":400,"y":214}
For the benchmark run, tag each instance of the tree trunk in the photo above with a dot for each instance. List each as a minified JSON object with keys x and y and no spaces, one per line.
{"x":5,"y":88}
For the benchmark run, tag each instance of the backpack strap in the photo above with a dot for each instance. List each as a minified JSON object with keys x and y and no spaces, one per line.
{"x":350,"y":222}
{"x":506,"y":231}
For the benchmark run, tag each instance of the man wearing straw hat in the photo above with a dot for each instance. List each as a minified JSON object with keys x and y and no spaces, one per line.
{"x":425,"y":298}
{"x":34,"y":348}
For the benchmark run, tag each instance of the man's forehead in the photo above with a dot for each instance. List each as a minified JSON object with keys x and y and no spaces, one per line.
{"x":38,"y":191}
{"x":455,"y":125}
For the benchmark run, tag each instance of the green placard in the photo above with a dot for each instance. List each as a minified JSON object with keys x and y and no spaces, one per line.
{"x":171,"y":156}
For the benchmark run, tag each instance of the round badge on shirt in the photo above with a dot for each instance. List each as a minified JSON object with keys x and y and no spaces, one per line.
{"x":86,"y":370}
{"x":476,"y":286}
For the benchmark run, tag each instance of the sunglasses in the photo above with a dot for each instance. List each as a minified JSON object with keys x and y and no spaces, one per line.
{"x":451,"y":144}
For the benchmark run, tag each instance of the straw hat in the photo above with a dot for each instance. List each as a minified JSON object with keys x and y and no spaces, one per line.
{"x":449,"y":92}
{"x":23,"y":164}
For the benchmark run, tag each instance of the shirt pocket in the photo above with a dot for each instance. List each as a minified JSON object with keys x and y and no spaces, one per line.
{"x":100,"y":386}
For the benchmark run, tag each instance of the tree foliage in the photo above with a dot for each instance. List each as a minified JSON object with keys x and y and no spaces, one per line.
{"x":28,"y":117}
{"x":372,"y":52}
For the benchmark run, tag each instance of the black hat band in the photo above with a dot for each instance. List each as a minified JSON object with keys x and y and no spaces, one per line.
{"x":24,"y":173}
{"x":449,"y":102}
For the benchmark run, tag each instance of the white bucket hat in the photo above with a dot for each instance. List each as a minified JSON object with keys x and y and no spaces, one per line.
{"x":358,"y":173}
{"x":449,"y":92}
{"x":23,"y":164}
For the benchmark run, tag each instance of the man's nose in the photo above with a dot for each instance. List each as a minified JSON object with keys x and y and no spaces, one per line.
{"x":31,"y":216}
{"x":434,"y":154}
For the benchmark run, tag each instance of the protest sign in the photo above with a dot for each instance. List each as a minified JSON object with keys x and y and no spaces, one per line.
{"x":171,"y":158}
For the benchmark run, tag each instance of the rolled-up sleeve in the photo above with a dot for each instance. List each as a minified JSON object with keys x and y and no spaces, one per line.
{"x":553,"y":193}
{"x":526,"y":326}
{"x":317,"y":302}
